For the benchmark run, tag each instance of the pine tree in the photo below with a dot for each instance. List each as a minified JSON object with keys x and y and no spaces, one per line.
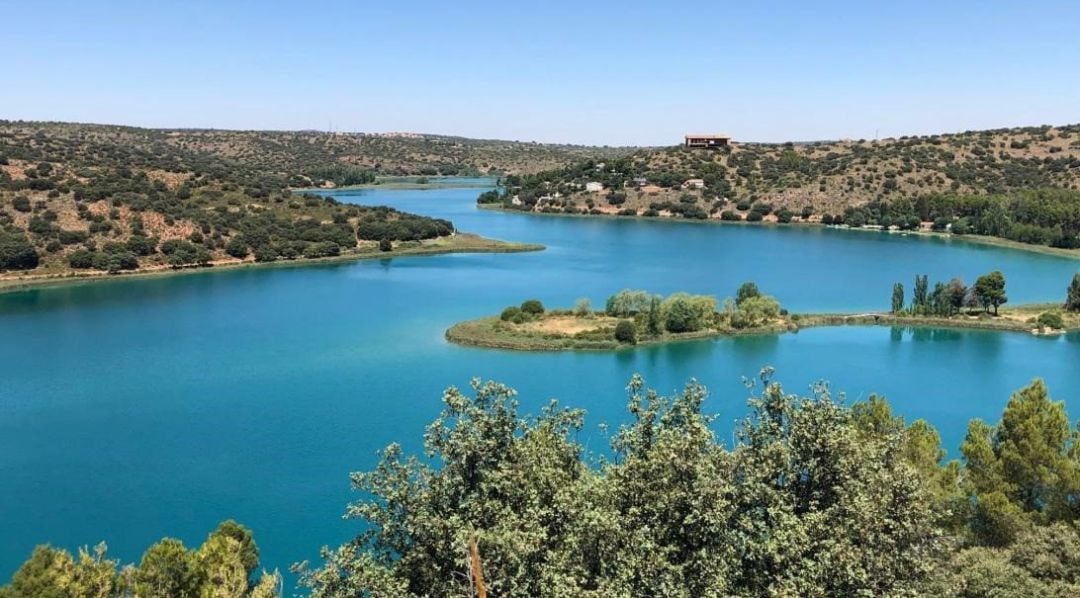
{"x":1072,"y":299}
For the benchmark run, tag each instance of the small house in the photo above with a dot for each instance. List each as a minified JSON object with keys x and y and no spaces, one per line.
{"x":707,"y":141}
{"x":594,"y":187}
{"x":694,"y":184}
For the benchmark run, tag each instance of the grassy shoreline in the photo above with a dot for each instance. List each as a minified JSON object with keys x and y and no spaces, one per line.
{"x":947,"y":237}
{"x":490,"y":332}
{"x":460,"y":243}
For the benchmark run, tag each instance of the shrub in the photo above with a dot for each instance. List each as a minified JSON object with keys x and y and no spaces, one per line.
{"x":266,"y":253}
{"x":510,"y":313}
{"x":626,"y":332}
{"x":1050,"y":320}
{"x":141,"y":245}
{"x":747,"y":290}
{"x":237,"y":248}
{"x":16,"y":253}
{"x":582,"y":307}
{"x":533,"y":307}
{"x":21,"y":203}
{"x":121,"y":260}
{"x":322,"y":249}
{"x":386,"y":245}
{"x":755,"y":311}
{"x":682,"y":312}
{"x":71,"y":237}
{"x":81,"y":259}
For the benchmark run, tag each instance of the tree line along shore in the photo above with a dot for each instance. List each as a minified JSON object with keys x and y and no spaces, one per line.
{"x":637,"y":318}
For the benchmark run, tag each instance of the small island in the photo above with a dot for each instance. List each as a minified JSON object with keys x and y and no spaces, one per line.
{"x":629,"y":318}
{"x":634,"y":318}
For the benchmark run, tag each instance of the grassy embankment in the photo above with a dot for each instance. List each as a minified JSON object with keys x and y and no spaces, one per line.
{"x":459,"y":243}
{"x":564,"y":331}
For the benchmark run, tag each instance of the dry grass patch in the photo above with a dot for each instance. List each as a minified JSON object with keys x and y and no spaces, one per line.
{"x":567,"y":325}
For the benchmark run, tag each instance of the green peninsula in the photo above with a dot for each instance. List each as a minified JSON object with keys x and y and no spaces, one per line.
{"x":636,"y":318}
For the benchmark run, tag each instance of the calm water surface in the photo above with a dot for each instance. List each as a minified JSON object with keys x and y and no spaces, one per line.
{"x":136,"y":409}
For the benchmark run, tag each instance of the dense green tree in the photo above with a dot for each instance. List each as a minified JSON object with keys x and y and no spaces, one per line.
{"x":1072,"y":296}
{"x":532,"y":307}
{"x":755,"y":311}
{"x":237,"y":248}
{"x":1023,"y":466}
{"x":16,"y":252}
{"x":653,"y":321}
{"x":627,"y":303}
{"x":747,"y":290}
{"x":805,"y":504}
{"x":682,"y":312}
{"x":81,"y":259}
{"x":221,"y":567}
{"x":246,"y":549}
{"x":989,"y":290}
{"x":898,"y":298}
{"x":956,"y":292}
{"x":221,"y":563}
{"x":48,"y":573}
{"x":169,"y":569}
{"x":920,"y":301}
{"x":626,"y":332}
{"x":142,"y":245}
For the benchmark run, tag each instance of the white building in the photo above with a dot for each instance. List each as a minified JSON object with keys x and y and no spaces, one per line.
{"x":694,"y":184}
{"x":594,"y":187}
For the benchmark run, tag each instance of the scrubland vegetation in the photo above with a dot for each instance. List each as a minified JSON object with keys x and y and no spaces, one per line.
{"x":110,"y":199}
{"x":1017,"y":184}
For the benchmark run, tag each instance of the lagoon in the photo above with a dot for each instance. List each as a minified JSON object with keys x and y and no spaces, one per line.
{"x":135,"y":409}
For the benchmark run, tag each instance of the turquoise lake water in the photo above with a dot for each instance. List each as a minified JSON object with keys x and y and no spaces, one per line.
{"x":136,"y":409}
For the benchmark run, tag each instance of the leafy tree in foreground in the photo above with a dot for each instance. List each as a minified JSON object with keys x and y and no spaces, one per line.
{"x":221,"y":567}
{"x":806,"y":503}
{"x":1023,"y":469}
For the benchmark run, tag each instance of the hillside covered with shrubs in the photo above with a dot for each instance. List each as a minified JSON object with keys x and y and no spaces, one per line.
{"x":76,"y":197}
{"x":1021,"y":184}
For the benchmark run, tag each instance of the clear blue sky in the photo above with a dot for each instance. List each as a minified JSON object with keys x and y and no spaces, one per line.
{"x":604,"y":72}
